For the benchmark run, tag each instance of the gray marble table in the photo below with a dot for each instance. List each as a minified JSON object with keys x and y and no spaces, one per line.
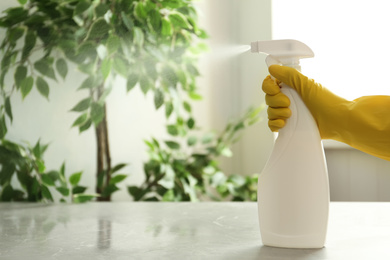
{"x":225,"y":230}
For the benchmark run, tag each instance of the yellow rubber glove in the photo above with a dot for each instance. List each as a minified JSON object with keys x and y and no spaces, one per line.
{"x":363,"y":123}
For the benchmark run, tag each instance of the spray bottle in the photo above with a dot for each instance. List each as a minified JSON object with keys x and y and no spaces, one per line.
{"x":293,"y":188}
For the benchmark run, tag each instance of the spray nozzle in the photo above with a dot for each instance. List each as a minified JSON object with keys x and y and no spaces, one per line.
{"x":284,"y":52}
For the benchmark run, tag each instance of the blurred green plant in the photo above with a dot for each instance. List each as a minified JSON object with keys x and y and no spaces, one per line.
{"x":36,"y":183}
{"x":153,"y":44}
{"x":185,"y":168}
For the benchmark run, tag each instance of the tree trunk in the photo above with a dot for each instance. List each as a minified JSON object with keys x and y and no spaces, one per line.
{"x":103,"y":174}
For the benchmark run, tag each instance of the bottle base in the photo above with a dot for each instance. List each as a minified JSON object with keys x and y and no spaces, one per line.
{"x":302,"y":242}
{"x":295,"y":247}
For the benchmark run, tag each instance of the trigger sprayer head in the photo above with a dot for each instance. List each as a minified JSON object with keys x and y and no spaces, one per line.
{"x":284,"y":52}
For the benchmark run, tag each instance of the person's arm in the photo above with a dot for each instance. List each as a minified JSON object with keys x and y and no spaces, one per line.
{"x":363,"y":123}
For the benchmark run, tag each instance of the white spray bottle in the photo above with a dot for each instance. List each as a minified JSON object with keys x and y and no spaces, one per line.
{"x":293,"y":188}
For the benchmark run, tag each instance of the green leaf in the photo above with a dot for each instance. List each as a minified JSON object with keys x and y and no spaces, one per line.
{"x":207,"y":138}
{"x":101,"y":178}
{"x":37,"y":150}
{"x":172,"y":130}
{"x":46,"y":193}
{"x":227,"y":152}
{"x":22,"y":2}
{"x":239,"y":126}
{"x":87,"y":50}
{"x":7,"y":193}
{"x":179,"y":20}
{"x":118,"y":167}
{"x":101,"y":9}
{"x":97,"y":113}
{"x":20,"y":75}
{"x":187,"y":106}
{"x":195,"y":96}
{"x":35,"y":186}
{"x":44,"y":66}
{"x":168,"y":181}
{"x":120,"y":66}
{"x":18,"y":195}
{"x":158,"y":98}
{"x":25,"y":180}
{"x":151,"y":146}
{"x":173,"y":145}
{"x":145,"y":84}
{"x":118,"y":178}
{"x":81,"y":7}
{"x":6,"y":172}
{"x":54,"y":175}
{"x":169,"y":196}
{"x":136,"y":192}
{"x":81,"y":198}
{"x":62,"y":170}
{"x":191,"y":123}
{"x":104,"y":95}
{"x":88,"y":83}
{"x":6,"y":60}
{"x":132,"y":80}
{"x":43,"y":87}
{"x":113,"y":44}
{"x":75,"y":178}
{"x":166,"y":27}
{"x":87,"y":68}
{"x":218,"y":179}
{"x":85,"y":126}
{"x":62,"y":67}
{"x":127,"y":21}
{"x":82,"y":105}
{"x":8,"y":109}
{"x":99,"y":29}
{"x":41,"y":165}
{"x":192,"y":69}
{"x":140,"y":11}
{"x":15,"y":34}
{"x":109,"y":189}
{"x":155,"y":19}
{"x":138,"y":36}
{"x":80,"y":120}
{"x":63,"y":190}
{"x":26,"y":86}
{"x":47,"y":180}
{"x":169,"y":75}
{"x":106,"y":67}
{"x":15,"y":15}
{"x":192,"y":140}
{"x":182,"y":78}
{"x":168,"y":109}
{"x":156,"y":143}
{"x":78,"y":189}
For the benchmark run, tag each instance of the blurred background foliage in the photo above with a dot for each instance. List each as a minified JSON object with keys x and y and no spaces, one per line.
{"x":151,"y":44}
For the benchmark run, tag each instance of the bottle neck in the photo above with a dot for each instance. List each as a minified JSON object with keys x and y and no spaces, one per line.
{"x":295,"y":66}
{"x":291,"y":62}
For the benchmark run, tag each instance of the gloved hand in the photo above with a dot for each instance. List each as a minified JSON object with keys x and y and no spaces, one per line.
{"x":363,"y":123}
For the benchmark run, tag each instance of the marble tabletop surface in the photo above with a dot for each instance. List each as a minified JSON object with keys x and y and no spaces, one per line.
{"x":205,"y":230}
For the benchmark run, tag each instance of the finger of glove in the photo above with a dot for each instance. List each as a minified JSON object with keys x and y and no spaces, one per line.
{"x":278,"y":100}
{"x":278,"y":113}
{"x":276,"y":125}
{"x":290,"y":77}
{"x":270,"y":87}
